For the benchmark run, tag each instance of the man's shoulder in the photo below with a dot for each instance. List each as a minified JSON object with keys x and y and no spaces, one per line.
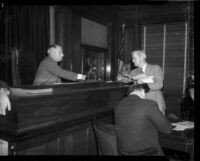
{"x":150,"y":102}
{"x":47,"y":61}
{"x":153,"y":65}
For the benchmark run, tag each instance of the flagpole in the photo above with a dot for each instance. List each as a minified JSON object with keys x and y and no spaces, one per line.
{"x":122,"y":50}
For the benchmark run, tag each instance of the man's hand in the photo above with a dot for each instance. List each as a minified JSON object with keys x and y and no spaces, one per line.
{"x":83,"y":77}
{"x":124,"y":79}
{"x":139,"y":76}
{"x":142,"y":78}
{"x":4,"y":101}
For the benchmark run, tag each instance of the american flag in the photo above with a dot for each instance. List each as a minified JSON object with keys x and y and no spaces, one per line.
{"x":121,"y":55}
{"x":122,"y":44}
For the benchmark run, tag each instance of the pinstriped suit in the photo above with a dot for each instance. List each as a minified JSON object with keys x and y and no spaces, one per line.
{"x":155,"y":92}
{"x":49,"y":73}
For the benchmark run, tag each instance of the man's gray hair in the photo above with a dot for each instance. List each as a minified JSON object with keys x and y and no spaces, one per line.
{"x":140,"y":53}
{"x":53,"y":46}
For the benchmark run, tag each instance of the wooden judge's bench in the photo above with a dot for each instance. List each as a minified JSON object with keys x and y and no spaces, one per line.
{"x":59,"y":123}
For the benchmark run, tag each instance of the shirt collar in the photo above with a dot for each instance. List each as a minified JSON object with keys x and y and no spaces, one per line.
{"x":144,"y":67}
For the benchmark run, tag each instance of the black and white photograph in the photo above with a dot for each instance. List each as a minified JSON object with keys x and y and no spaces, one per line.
{"x":98,"y":80}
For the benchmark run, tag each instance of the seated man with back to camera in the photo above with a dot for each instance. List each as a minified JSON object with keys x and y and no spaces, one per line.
{"x":147,"y":73}
{"x":49,"y":72}
{"x":138,"y":121}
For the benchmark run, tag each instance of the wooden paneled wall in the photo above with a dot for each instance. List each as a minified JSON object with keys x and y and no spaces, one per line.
{"x":68,"y":35}
{"x":165,"y":45}
{"x":77,"y":140}
{"x":176,"y":49}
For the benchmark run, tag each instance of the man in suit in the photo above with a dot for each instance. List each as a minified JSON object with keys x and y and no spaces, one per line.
{"x":49,"y":72}
{"x":138,"y":121}
{"x":150,"y":74}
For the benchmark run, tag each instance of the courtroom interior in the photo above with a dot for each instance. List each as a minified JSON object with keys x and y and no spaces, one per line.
{"x":97,"y":45}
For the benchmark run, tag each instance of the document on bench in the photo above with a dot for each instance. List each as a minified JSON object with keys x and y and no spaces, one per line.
{"x":27,"y":92}
{"x":180,"y":126}
{"x":3,"y":147}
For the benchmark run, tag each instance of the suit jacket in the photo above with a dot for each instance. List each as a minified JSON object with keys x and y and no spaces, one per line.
{"x":155,"y":92}
{"x":138,"y":122}
{"x":49,"y":73}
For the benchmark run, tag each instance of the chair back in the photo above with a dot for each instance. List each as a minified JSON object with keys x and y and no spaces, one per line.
{"x":23,"y":67}
{"x":106,"y":138}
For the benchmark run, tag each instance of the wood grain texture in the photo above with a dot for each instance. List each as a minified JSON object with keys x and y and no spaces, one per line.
{"x":60,"y":123}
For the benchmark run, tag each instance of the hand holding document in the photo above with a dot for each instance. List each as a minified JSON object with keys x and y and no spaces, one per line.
{"x":142,"y":78}
{"x":181,"y":126}
{"x":124,"y":79}
{"x":139,"y":76}
{"x":81,"y":77}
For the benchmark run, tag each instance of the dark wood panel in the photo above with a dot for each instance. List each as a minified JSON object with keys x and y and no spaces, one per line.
{"x":174,"y":58}
{"x":75,"y":39}
{"x":60,"y":123}
{"x":103,"y":14}
{"x":173,"y":82}
{"x":68,"y":35}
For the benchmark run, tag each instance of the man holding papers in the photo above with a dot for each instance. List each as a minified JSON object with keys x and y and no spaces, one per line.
{"x":150,"y":74}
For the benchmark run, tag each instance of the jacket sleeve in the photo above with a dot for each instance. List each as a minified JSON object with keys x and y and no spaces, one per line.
{"x":159,"y":119}
{"x":59,"y":72}
{"x":158,"y":79}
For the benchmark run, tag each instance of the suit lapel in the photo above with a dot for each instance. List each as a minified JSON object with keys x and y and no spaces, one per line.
{"x":148,"y":69}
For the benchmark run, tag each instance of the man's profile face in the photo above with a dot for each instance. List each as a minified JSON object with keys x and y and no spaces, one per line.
{"x":137,"y":60}
{"x":56,"y":54}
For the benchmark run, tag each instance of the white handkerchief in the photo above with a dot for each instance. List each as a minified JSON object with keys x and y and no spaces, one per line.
{"x":180,"y":126}
{"x":3,"y":147}
{"x":148,"y":79}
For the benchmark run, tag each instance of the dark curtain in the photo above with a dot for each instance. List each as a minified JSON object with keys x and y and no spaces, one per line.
{"x":27,"y":29}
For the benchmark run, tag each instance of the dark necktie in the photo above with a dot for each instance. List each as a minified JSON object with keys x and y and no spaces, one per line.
{"x":140,"y":71}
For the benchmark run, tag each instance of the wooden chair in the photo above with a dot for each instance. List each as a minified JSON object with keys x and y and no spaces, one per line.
{"x":23,"y":67}
{"x":108,"y":141}
{"x":105,"y":137}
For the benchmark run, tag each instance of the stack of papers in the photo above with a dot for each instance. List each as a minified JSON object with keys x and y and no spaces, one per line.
{"x":148,"y":79}
{"x":144,"y":78}
{"x":180,"y":126}
{"x":3,"y":147}
{"x":20,"y":91}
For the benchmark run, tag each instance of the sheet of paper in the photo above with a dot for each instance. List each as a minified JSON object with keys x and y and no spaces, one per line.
{"x":144,"y":78}
{"x":20,"y":91}
{"x":3,"y":147}
{"x":148,"y":79}
{"x":180,"y":126}
{"x":139,"y":76}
